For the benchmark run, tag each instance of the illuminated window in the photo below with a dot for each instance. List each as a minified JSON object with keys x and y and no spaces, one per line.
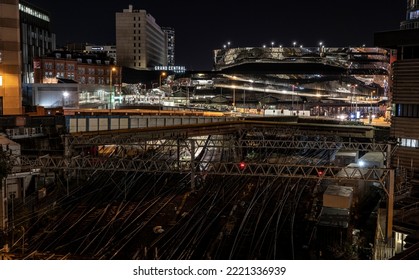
{"x":414,"y":15}
{"x":407,"y":110}
{"x":33,"y":12}
{"x":59,"y":66}
{"x":411,"y":143}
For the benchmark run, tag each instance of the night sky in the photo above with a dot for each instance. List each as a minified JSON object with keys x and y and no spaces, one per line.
{"x":202,"y":26}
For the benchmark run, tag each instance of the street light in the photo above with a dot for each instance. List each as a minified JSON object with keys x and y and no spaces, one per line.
{"x":370,"y":114}
{"x":352,"y":99}
{"x":113,"y":69}
{"x":162,"y":74}
{"x":65,"y":95}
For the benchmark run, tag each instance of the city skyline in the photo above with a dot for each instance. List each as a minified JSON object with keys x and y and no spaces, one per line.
{"x":202,"y":27}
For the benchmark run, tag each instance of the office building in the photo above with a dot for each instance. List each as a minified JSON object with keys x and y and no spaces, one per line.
{"x":405,"y":87}
{"x":404,"y":44}
{"x":77,"y":67}
{"x":412,"y":15}
{"x":10,"y":62}
{"x":86,"y":79}
{"x":36,"y":37}
{"x":140,"y":41}
{"x":170,"y":45}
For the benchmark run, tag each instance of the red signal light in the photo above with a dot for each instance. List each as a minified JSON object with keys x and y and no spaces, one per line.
{"x":242,"y":165}
{"x":320,"y":173}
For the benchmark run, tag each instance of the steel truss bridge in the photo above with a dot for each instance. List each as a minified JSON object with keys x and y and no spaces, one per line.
{"x":222,"y":155}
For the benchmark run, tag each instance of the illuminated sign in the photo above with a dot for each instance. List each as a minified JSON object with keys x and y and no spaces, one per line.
{"x":177,"y":69}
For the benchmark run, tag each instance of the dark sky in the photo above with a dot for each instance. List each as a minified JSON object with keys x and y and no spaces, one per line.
{"x":202,"y":26}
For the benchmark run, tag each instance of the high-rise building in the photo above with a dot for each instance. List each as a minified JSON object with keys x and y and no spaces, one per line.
{"x":36,"y":37}
{"x":140,"y":41}
{"x":405,"y":87}
{"x":10,"y":63}
{"x":405,"y":109}
{"x":170,"y":45}
{"x":412,"y":15}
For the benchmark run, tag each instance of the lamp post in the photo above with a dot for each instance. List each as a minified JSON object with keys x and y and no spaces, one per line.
{"x":370,"y":114}
{"x":162,"y":74}
{"x":113,"y":69}
{"x":352,"y":86}
{"x":65,"y":95}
